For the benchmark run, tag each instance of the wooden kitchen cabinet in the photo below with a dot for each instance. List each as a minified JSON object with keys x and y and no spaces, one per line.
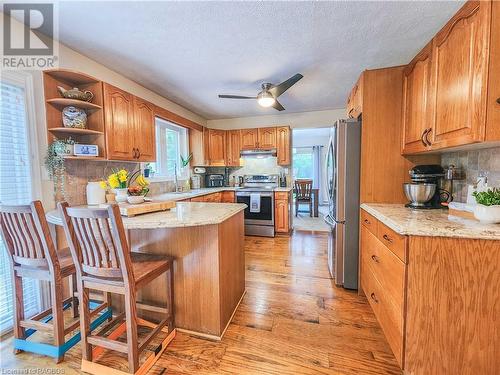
{"x":120,"y":123}
{"x":417,"y":285}
{"x":416,"y":102}
{"x":233,"y":148}
{"x":130,"y":126}
{"x":249,"y":139}
{"x":282,"y":212}
{"x":266,"y":138}
{"x":459,"y":77}
{"x":145,"y":139}
{"x":283,"y":145}
{"x":227,"y":197}
{"x":216,"y":147}
{"x":354,"y":104}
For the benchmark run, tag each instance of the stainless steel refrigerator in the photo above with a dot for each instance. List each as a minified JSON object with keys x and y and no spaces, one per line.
{"x":343,"y":164}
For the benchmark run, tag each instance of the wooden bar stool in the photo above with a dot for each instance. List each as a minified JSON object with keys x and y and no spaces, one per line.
{"x":33,"y":255}
{"x":97,"y":239}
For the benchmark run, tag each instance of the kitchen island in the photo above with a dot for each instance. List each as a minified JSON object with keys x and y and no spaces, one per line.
{"x":206,"y":240}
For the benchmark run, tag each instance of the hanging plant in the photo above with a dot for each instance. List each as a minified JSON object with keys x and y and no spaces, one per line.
{"x":55,"y":164}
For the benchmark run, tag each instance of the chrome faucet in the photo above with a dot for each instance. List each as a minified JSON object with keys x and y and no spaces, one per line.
{"x":176,"y":182}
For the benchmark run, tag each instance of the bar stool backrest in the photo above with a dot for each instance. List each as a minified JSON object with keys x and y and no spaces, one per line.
{"x":27,"y":236}
{"x":97,"y":241}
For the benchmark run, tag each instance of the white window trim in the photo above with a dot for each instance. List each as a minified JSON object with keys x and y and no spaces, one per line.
{"x":161,"y":144}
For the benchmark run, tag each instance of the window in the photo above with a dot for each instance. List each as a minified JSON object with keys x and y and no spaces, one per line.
{"x":18,"y":174}
{"x":303,"y":162}
{"x":171,"y":143}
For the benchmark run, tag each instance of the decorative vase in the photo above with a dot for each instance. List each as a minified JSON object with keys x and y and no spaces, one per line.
{"x":487,"y":214}
{"x":121,"y":195}
{"x":95,"y":194}
{"x":73,"y":117}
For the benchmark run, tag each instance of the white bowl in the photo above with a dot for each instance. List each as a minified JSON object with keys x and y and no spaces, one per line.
{"x":135,"y":199}
{"x":487,"y":214}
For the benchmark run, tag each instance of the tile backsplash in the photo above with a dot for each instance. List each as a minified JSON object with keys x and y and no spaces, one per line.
{"x":473,"y":164}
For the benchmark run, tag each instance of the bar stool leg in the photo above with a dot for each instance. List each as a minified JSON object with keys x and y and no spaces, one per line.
{"x":57,"y":314}
{"x":132,"y":338}
{"x":85,"y":322}
{"x":19,"y":332}
{"x":74,"y":299}
{"x":107,"y":299}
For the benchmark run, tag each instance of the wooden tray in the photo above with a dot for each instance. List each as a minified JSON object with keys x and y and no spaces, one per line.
{"x":462,"y":214}
{"x":129,"y":210}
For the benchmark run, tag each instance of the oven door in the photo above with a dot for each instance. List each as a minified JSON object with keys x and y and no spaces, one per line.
{"x":266,"y":214}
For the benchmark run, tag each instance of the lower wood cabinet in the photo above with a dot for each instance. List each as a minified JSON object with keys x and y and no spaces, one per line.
{"x":211,"y":198}
{"x":434,"y":297}
{"x":228,"y":197}
{"x":282,"y":212}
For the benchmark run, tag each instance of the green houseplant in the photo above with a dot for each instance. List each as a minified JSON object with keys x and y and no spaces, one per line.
{"x":487,"y":209}
{"x":55,"y":164}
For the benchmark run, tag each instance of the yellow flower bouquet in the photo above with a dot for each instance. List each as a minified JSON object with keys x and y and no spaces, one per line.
{"x":116,"y":180}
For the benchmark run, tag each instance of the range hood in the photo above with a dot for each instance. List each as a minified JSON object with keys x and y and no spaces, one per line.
{"x":258,"y":153}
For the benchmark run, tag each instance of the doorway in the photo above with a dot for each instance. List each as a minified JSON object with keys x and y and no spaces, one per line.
{"x":308,"y":173}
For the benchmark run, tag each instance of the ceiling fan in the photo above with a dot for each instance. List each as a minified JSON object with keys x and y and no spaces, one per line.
{"x":268,"y":97}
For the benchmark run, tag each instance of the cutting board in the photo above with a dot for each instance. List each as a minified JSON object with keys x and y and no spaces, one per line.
{"x":127,"y":209}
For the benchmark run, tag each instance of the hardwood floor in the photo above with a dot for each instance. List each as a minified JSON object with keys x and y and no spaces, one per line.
{"x":292,"y":320}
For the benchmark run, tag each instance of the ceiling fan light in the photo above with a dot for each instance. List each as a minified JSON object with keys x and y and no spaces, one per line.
{"x":265,"y":99}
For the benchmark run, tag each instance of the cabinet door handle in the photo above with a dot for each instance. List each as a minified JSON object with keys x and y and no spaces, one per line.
{"x":134,"y":151}
{"x":138,"y":153}
{"x":422,"y":138}
{"x":375,"y":259}
{"x":367,"y":222}
{"x":387,"y":238}
{"x":498,"y":100}
{"x":374,"y":297}
{"x":427,"y":136}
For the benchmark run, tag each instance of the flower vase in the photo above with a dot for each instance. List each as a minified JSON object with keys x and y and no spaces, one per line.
{"x":121,"y":195}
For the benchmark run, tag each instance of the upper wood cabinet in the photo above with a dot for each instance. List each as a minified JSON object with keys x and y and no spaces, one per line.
{"x":266,"y":138}
{"x":354,"y":105}
{"x":216,"y":147}
{"x":461,"y":105}
{"x":145,"y":140}
{"x":249,"y":139}
{"x":283,"y":145}
{"x":459,"y":77}
{"x":416,"y":116}
{"x":233,"y":148}
{"x":119,"y":121}
{"x":130,"y":122}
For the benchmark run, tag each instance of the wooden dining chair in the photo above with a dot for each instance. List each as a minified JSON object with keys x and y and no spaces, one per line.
{"x":33,"y":255}
{"x":104,"y":262}
{"x":303,"y":194}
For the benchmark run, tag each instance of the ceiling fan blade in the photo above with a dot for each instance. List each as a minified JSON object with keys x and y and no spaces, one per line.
{"x":283,"y":86}
{"x":277,"y":105}
{"x":237,"y":97}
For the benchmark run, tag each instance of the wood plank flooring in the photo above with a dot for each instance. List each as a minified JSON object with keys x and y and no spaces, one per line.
{"x":292,"y":320}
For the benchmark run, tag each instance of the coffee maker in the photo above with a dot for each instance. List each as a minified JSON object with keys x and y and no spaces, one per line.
{"x":425,"y":191}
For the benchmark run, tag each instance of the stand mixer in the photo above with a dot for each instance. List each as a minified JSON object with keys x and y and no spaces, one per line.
{"x":425,"y":192}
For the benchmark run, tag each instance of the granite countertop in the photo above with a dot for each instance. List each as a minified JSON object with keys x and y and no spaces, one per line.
{"x":191,"y":193}
{"x":434,"y":223}
{"x":185,"y":214}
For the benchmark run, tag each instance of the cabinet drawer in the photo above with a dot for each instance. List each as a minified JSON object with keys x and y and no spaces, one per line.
{"x":394,"y":241}
{"x":368,"y":221}
{"x":389,"y":319}
{"x":199,"y":199}
{"x":213,"y":198}
{"x":283,"y":195}
{"x":386,"y":267}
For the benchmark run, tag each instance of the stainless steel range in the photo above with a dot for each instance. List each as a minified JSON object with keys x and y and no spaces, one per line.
{"x":257,"y":193}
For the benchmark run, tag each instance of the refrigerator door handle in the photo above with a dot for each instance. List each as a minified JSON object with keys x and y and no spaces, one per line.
{"x":329,"y":220}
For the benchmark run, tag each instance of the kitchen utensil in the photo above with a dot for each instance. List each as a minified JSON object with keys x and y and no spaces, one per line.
{"x":419,"y":193}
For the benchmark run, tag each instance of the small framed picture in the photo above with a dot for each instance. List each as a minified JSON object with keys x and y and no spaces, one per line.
{"x":85,"y":150}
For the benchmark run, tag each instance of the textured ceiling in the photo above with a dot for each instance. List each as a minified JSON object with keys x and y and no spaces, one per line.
{"x":191,"y":51}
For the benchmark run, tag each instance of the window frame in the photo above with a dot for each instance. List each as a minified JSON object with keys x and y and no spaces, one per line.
{"x":161,"y":150}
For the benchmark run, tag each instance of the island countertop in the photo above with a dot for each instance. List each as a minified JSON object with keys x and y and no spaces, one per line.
{"x":185,"y":214}
{"x":434,"y":223}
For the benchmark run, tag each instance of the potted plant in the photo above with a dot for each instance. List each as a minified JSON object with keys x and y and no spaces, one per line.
{"x":55,"y":163}
{"x":148,"y":169}
{"x":117,"y":181}
{"x":487,"y":209}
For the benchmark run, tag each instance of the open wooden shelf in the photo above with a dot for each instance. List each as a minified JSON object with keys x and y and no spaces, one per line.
{"x":95,"y":158}
{"x":75,"y":131}
{"x":63,"y":102}
{"x":71,"y":76}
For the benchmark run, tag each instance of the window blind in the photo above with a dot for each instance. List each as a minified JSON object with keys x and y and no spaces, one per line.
{"x":15,"y":188}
